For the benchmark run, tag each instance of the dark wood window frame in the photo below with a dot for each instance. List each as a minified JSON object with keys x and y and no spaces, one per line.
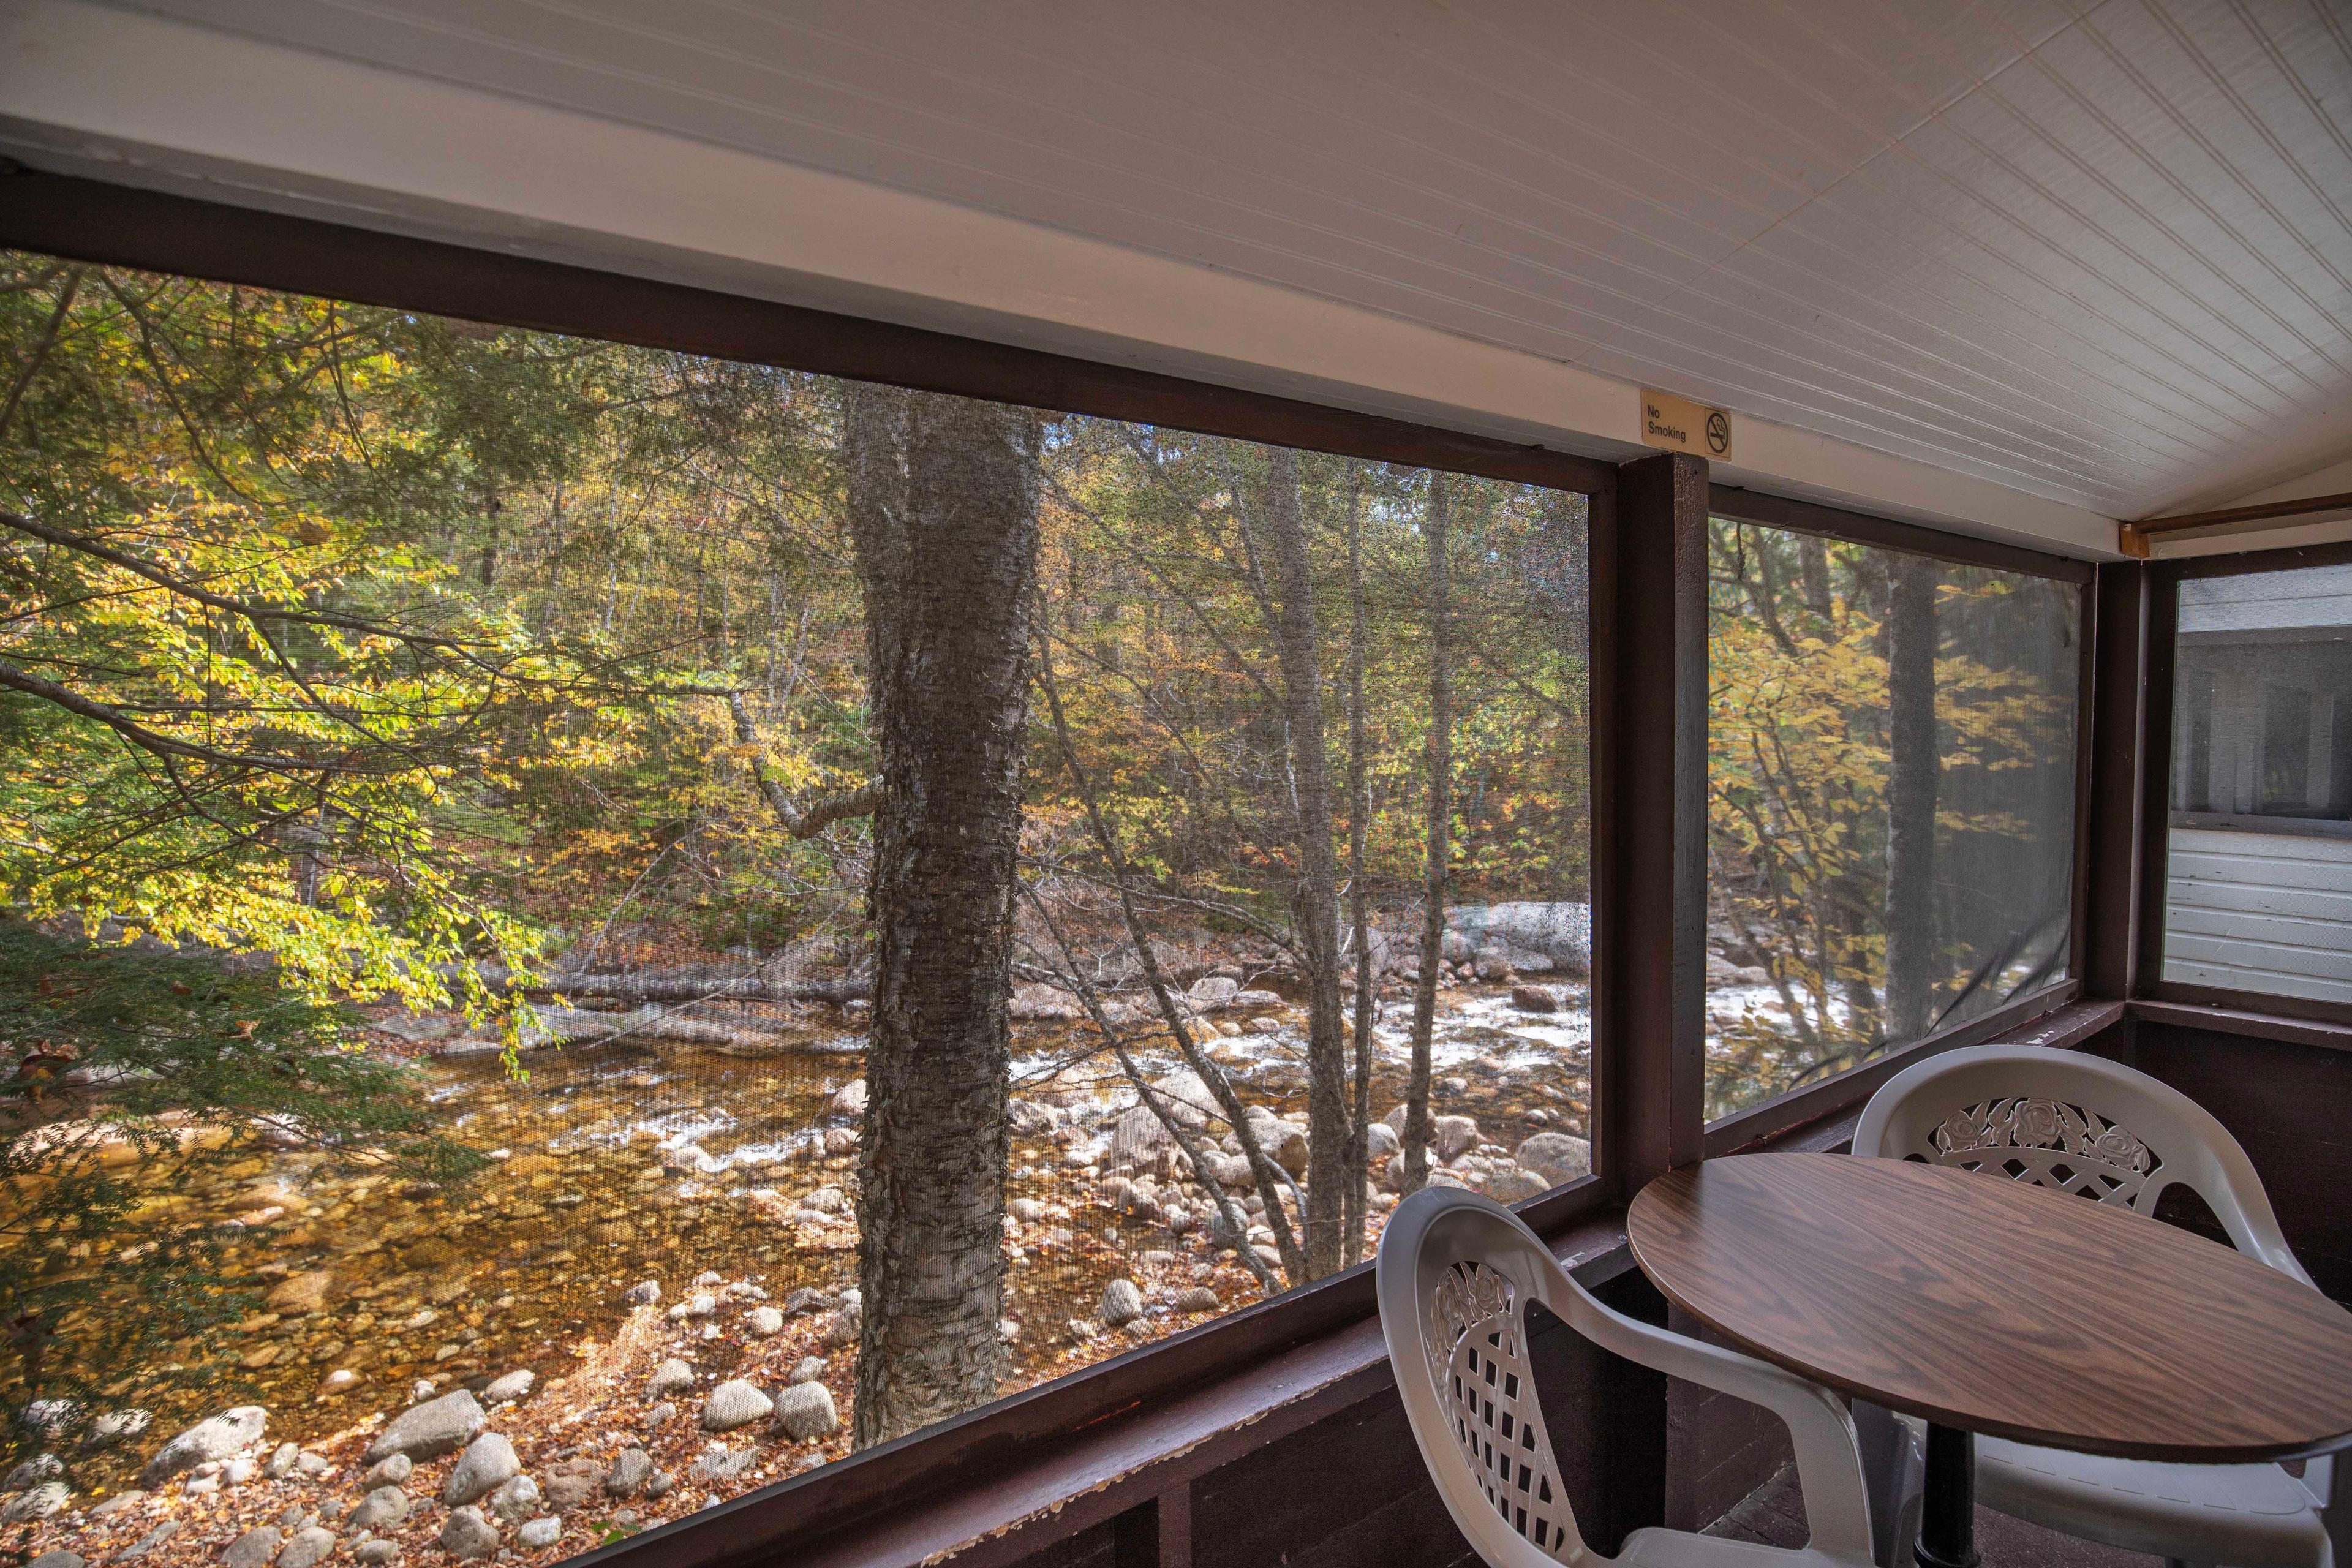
{"x":1834,"y":1095}
{"x":1122,"y":1440}
{"x":2161,"y":592}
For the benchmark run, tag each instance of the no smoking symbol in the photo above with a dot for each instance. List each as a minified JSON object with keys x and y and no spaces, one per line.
{"x":1718,"y":433}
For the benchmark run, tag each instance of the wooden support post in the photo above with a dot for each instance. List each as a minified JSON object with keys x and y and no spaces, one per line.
{"x":2111,"y":828}
{"x":1157,"y":1533}
{"x":1650,"y":1023}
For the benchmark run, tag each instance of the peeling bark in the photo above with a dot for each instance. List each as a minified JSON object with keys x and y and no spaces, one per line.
{"x":1415,"y":1137}
{"x":943,"y":511}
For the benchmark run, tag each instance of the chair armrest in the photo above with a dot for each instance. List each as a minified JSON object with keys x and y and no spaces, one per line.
{"x":1821,"y":1428}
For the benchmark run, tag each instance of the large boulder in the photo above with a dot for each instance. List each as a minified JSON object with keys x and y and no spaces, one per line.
{"x":1211,"y":992}
{"x":1044,"y":1005}
{"x":429,"y":1430}
{"x":216,"y":1437}
{"x":1558,"y":1157}
{"x":1561,"y":932}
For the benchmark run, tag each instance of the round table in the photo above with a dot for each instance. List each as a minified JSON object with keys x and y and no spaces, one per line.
{"x":1997,"y":1307}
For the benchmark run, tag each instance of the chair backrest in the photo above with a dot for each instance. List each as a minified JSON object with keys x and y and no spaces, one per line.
{"x":2077,"y":1124}
{"x":1456,"y":1276}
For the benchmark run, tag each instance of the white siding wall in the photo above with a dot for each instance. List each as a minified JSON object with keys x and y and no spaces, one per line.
{"x":2260,"y":911}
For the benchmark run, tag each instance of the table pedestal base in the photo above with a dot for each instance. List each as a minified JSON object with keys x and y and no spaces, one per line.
{"x":1947,"y":1526}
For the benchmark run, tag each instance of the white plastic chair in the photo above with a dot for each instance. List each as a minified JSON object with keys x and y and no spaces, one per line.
{"x":1456,"y":1273}
{"x":2085,"y":1125}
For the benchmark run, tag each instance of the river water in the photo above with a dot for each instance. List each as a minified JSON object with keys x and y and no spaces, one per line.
{"x":627,"y":1161}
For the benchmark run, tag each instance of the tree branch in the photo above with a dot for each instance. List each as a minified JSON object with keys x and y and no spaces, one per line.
{"x":820,"y":813}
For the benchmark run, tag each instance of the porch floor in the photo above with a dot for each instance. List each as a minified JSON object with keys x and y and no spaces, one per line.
{"x":1774,"y":1515}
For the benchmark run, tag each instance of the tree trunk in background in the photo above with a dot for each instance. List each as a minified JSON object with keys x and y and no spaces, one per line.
{"x":943,"y":510}
{"x":1360,"y":1186}
{"x":1813,"y":566}
{"x":1317,"y":894}
{"x":1432,"y":920}
{"x":1911,"y":796}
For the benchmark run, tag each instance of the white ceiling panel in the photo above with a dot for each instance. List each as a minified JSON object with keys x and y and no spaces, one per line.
{"x":2101,"y":252}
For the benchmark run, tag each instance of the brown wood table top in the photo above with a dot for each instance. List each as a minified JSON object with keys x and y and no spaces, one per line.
{"x":2000,"y":1308}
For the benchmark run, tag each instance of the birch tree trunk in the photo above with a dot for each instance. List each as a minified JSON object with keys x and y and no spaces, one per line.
{"x":1415,"y":1139}
{"x":1911,"y":797}
{"x":1317,"y":894}
{"x":1358,"y":1207}
{"x":943,"y":510}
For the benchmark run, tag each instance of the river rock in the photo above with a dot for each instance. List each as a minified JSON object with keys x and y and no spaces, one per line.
{"x":1452,"y":1137}
{"x":1030,"y":1119}
{"x":309,"y":1548}
{"x":506,"y":1390}
{"x":40,"y":1503}
{"x":1044,"y":1005}
{"x":1285,"y":1143}
{"x":764,"y":1322}
{"x":59,"y":1558}
{"x":567,"y":1492}
{"x":1536,"y":998}
{"x":254,"y":1549}
{"x":643,"y":1293}
{"x":1122,"y":1302}
{"x":849,"y":1099}
{"x":1558,"y":1157}
{"x":516,"y":1500}
{"x":842,"y":1329}
{"x":630,"y":1472}
{"x":806,"y":1299}
{"x":390,"y":1473}
{"x":1199,"y":1298}
{"x":808,"y":1369}
{"x":723,"y":1464}
{"x":384,"y":1505}
{"x":117,"y":1426}
{"x":539,"y":1532}
{"x":427,"y":1431}
{"x":338,"y":1381}
{"x":1512,"y":1185}
{"x":33,"y":1472}
{"x":733,"y":1403}
{"x":375,"y":1553}
{"x":153,"y":1538}
{"x":1380,"y":1141}
{"x":826,"y":1200}
{"x":1211,"y":992}
{"x":118,"y":1502}
{"x":1137,"y":1138}
{"x":468,"y":1535}
{"x":213,"y":1438}
{"x":805,"y":1410}
{"x":299,"y":1293}
{"x":486,"y":1463}
{"x":673,"y":1376}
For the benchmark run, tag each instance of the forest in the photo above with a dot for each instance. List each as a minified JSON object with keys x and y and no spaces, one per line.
{"x":631,"y":922}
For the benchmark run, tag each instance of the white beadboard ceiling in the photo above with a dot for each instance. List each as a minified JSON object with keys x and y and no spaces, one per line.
{"x":2100,"y":253}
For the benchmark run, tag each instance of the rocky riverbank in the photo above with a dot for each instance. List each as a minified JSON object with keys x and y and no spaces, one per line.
{"x":648,"y":1297}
